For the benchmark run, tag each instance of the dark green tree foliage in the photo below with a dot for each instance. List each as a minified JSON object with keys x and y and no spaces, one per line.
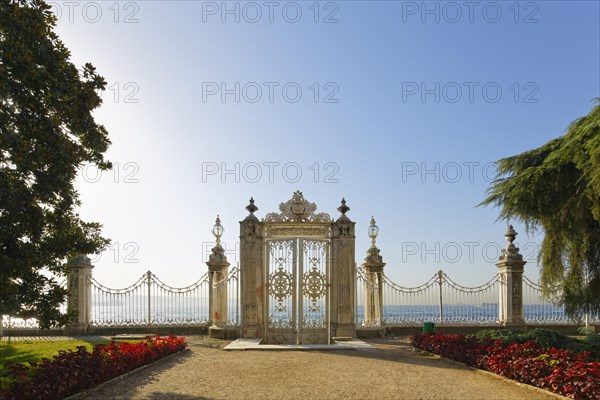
{"x":557,"y":188}
{"x":47,"y":133}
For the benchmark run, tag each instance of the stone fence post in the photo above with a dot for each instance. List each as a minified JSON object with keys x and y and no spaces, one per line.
{"x":80,"y":296}
{"x":510,"y":270}
{"x":343,"y":276}
{"x":251,"y":274}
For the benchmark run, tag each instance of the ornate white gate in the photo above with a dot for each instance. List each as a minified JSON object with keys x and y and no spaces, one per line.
{"x":297,"y":290}
{"x":297,"y":274}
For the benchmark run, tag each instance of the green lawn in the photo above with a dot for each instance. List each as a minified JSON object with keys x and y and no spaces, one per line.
{"x":34,"y":351}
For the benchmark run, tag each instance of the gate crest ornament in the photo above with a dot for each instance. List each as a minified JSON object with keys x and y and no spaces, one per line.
{"x":297,"y":209}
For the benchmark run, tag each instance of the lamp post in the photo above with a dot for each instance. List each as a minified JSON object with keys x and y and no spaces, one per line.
{"x":218,"y":230}
{"x":373,"y":232}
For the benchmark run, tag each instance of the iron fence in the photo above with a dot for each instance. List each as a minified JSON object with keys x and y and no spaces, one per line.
{"x":440,"y":299}
{"x":151,"y":302}
{"x":539,"y":310}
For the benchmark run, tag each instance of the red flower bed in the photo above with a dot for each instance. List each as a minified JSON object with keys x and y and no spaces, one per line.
{"x":72,"y":371}
{"x":564,"y":372}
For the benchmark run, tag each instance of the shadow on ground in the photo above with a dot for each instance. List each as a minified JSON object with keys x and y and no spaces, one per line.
{"x":149,"y":374}
{"x":398,"y":351}
{"x":173,"y":396}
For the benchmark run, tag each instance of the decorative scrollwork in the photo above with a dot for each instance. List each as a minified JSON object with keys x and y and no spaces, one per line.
{"x":250,"y":314}
{"x":286,"y":231}
{"x":314,"y":287}
{"x":314,"y":323}
{"x":282,"y":286}
{"x":281,"y":323}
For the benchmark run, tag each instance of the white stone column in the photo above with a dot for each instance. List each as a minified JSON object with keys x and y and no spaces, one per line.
{"x":510,"y":270}
{"x":373,"y":269}
{"x":373,"y":297}
{"x":218,"y":294}
{"x":217,"y":269}
{"x":80,"y":296}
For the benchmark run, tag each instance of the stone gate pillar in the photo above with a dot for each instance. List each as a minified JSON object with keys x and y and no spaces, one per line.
{"x":79,"y":297}
{"x":217,"y":272}
{"x":373,"y":270}
{"x":251,"y":274}
{"x":510,"y":269}
{"x":343,"y":275}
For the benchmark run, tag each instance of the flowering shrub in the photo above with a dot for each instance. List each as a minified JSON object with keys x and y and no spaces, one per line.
{"x":564,"y":372}
{"x":72,"y":371}
{"x":546,"y":339}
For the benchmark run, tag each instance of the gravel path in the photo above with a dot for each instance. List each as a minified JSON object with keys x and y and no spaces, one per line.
{"x":394,"y":370}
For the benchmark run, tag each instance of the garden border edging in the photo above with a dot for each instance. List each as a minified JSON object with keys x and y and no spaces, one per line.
{"x":99,"y":386}
{"x":525,"y":385}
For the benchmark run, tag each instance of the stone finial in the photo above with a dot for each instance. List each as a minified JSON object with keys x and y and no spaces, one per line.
{"x":373,"y":257}
{"x":511,"y":252}
{"x":343,"y":208}
{"x":217,"y":258}
{"x":510,"y":234}
{"x":218,"y":255}
{"x":251,"y":208}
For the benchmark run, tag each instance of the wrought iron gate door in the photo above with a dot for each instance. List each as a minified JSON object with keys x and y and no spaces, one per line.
{"x":297,"y":298}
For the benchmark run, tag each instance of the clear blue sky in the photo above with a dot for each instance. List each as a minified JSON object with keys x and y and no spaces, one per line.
{"x":403,"y":105}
